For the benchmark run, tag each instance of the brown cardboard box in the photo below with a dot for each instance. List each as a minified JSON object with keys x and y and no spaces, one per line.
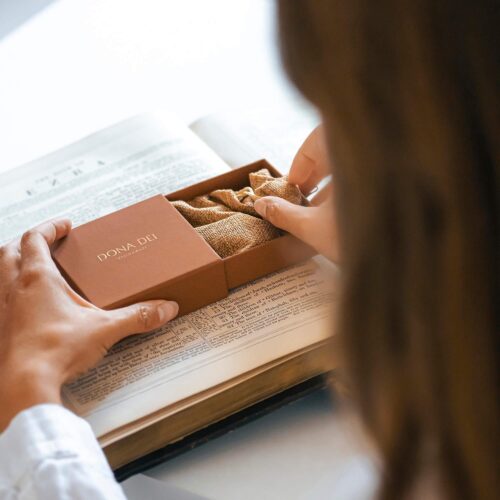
{"x":149,"y":251}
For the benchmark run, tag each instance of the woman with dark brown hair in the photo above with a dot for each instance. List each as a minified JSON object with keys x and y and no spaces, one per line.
{"x":409,"y":96}
{"x":408,"y":93}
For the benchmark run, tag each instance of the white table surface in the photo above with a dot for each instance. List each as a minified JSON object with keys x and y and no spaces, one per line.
{"x":301,"y":451}
{"x":80,"y":65}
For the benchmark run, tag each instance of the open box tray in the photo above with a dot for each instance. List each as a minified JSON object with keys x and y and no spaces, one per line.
{"x":260,"y":260}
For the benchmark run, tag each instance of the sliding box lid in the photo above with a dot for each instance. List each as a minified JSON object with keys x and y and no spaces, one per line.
{"x":144,"y":251}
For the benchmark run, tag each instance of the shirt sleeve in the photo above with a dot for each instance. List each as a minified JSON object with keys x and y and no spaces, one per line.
{"x":49,"y":452}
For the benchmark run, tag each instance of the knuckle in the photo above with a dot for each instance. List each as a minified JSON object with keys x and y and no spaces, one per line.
{"x":53,"y":338}
{"x":9,"y":252}
{"x":281,"y":217}
{"x":28,"y":237}
{"x":273,"y":213}
{"x":34,"y":274}
{"x":145,"y":317}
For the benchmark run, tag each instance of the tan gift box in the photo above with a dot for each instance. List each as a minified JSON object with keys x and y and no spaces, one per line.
{"x":149,"y":251}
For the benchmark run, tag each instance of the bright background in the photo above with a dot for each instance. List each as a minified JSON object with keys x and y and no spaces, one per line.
{"x":80,"y":65}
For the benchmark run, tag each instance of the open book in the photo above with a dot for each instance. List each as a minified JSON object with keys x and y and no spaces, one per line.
{"x":154,"y":389}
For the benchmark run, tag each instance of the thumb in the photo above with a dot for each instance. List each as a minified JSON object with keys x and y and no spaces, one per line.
{"x":292,"y":218}
{"x":140,"y":318}
{"x":314,"y":225}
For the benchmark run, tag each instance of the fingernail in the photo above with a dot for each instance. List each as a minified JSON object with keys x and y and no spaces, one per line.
{"x":260,"y":207}
{"x":168,"y":311}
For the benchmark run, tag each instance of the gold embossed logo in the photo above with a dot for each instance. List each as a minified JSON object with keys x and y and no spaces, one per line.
{"x":128,"y":249}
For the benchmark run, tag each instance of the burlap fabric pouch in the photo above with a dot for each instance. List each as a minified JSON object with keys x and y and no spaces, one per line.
{"x":227,"y":220}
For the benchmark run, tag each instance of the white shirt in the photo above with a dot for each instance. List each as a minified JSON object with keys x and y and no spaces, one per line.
{"x":47,"y":452}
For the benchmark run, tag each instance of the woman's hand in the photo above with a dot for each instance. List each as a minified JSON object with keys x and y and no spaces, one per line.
{"x":48,"y":333}
{"x":316,"y":224}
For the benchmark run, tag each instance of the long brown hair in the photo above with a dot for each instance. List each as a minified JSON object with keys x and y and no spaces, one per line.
{"x":409,"y":94}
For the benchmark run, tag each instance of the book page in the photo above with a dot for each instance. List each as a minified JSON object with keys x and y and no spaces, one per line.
{"x":273,"y":132}
{"x":114,"y":168}
{"x":258,"y":323}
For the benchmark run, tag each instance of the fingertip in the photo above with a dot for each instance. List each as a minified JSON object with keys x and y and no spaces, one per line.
{"x":264,"y":206}
{"x":63,"y":227}
{"x":52,"y":230}
{"x":300,"y":170}
{"x":167,"y":310}
{"x":304,"y":162}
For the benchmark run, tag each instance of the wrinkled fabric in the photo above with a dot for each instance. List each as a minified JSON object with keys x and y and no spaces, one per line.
{"x":227,"y":220}
{"x":47,"y":452}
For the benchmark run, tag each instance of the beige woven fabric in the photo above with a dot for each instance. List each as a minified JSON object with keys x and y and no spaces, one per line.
{"x":227,"y":220}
